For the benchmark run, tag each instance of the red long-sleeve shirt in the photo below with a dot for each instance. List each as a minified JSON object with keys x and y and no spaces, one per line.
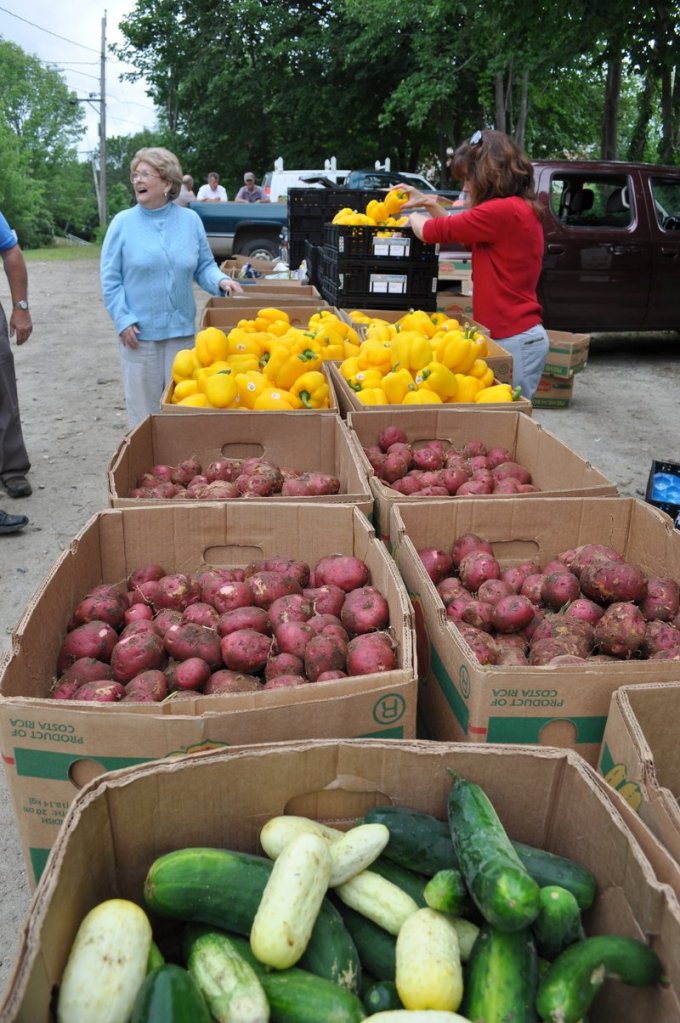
{"x":506,"y":241}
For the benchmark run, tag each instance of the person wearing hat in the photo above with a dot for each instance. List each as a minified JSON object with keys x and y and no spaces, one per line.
{"x":250,"y":191}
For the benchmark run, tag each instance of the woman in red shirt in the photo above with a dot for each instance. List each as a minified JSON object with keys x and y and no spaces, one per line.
{"x":502,"y":228}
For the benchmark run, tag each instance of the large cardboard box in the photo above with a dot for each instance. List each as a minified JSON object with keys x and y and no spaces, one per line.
{"x":564,"y":705}
{"x":283,"y":438}
{"x":553,"y":392}
{"x":348,"y":401}
{"x":50,"y":747}
{"x":244,"y":307}
{"x":567,"y":354}
{"x":547,"y":798}
{"x":555,"y":468}
{"x":168,"y":405}
{"x":640,"y":756}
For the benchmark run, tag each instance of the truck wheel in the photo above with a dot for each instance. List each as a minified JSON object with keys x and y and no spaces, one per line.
{"x":260,"y":248}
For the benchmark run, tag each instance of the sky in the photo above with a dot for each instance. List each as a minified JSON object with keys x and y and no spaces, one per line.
{"x":67,"y":34}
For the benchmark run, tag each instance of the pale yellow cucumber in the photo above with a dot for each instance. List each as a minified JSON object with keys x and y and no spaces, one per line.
{"x":377,"y":899}
{"x":291,"y":901}
{"x":420,"y":1016}
{"x":278,"y":832}
{"x":356,"y":850}
{"x":467,"y":935}
{"x":429,"y":974}
{"x":106,"y":965}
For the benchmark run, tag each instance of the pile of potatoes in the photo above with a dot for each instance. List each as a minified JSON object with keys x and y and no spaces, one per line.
{"x":588,"y":604}
{"x":229,"y":478}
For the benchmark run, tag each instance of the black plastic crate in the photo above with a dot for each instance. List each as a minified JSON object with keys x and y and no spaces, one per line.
{"x":310,"y":208}
{"x":671,"y":508}
{"x":357,"y":240}
{"x":312,"y":257}
{"x":337,"y":297}
{"x":404,"y":282}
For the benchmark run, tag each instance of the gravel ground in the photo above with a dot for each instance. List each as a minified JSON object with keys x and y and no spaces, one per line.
{"x":625,"y":413}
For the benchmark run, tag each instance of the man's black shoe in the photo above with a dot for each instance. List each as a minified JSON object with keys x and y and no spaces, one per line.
{"x":17,"y":486}
{"x":11,"y":523}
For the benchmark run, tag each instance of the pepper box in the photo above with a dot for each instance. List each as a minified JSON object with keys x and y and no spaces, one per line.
{"x":549,"y":799}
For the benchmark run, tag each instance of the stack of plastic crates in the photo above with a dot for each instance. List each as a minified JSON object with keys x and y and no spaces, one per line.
{"x":377,"y":268}
{"x":310,"y":208}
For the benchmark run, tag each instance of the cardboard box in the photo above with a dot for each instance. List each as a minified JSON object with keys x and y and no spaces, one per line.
{"x":235,"y":263}
{"x":348,"y":401}
{"x":555,"y":468}
{"x":640,"y":756}
{"x":167,"y":404}
{"x":546,"y":798}
{"x":284,"y":438}
{"x":553,"y":392}
{"x":50,"y":747}
{"x":564,"y":705}
{"x":454,"y":304}
{"x":567,"y":354}
{"x":245,"y":307}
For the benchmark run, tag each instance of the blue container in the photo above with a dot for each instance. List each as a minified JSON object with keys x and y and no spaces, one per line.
{"x":663,"y":488}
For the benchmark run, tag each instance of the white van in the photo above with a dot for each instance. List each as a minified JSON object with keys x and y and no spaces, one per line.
{"x":277,"y":182}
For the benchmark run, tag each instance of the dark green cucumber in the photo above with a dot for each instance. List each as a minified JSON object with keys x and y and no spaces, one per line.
{"x":503,"y":891}
{"x":447,"y":893}
{"x":570,"y":985}
{"x":381,"y":997}
{"x":224,"y":888}
{"x":296,"y":996}
{"x":422,"y":843}
{"x":155,"y":958}
{"x":410,"y":882}
{"x":501,"y":977}
{"x":558,"y":923}
{"x":376,"y":947}
{"x":169,"y":994}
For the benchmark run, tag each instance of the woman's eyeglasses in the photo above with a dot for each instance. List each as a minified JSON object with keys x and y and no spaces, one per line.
{"x":476,"y":139}
{"x":142,"y":176}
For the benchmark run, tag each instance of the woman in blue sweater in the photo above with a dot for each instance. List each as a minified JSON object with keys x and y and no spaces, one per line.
{"x":151,"y":256}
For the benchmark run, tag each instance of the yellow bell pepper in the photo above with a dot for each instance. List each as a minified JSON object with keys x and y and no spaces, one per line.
{"x":250,"y":386}
{"x":458,"y":354}
{"x":483,"y":342}
{"x":377,"y":211}
{"x":183,"y":389}
{"x":331,"y":342}
{"x":417,"y":319}
{"x":438,"y":378}
{"x":220,"y":389}
{"x":312,"y":390}
{"x":270,"y":314}
{"x":482,"y":371}
{"x":211,"y":344}
{"x":241,"y":362}
{"x":242,"y":341}
{"x":284,"y":367}
{"x":397,"y":384}
{"x":365,"y":379}
{"x":277,"y":400}
{"x":410,"y":350}
{"x":498,"y":393}
{"x":380,"y":330}
{"x":184,"y":365}
{"x":351,"y":350}
{"x":468,"y":388}
{"x":439,"y":318}
{"x":375,"y":355}
{"x":422,"y":397}
{"x":349,"y":367}
{"x":394,"y":200}
{"x":195,"y":401}
{"x":372,"y":396}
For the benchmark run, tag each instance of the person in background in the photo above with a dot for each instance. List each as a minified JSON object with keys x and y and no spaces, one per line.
{"x":14,"y":462}
{"x":250,"y":192}
{"x":502,"y":228}
{"x":151,"y":256}
{"x":213,"y":191}
{"x":186,"y":192}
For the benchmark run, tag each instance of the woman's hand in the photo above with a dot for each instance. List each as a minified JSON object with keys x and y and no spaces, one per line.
{"x":417,"y":199}
{"x":230,"y":287}
{"x":130,"y":336}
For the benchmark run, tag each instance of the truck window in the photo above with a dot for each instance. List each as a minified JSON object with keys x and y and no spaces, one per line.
{"x":666,"y":195}
{"x":593,"y":201}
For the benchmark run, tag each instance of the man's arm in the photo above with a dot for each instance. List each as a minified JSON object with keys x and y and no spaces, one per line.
{"x":17,"y":276}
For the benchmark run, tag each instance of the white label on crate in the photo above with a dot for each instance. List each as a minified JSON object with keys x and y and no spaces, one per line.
{"x":393,"y":246}
{"x":388,"y":284}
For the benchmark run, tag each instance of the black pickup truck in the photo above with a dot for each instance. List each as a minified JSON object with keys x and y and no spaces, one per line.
{"x":243,"y":229}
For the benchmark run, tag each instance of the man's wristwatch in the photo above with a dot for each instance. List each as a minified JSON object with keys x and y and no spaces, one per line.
{"x":21,"y":304}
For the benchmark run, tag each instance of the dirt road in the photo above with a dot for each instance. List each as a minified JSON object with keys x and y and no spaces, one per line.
{"x":625,"y":413}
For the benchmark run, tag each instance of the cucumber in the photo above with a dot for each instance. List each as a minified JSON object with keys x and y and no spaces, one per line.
{"x":505,"y":894}
{"x":501,"y":977}
{"x":228,"y":982}
{"x":296,"y":996}
{"x":570,"y":985}
{"x":429,"y":970}
{"x":155,"y":959}
{"x":558,"y":923}
{"x":380,"y":900}
{"x":422,"y":843}
{"x":376,"y":947}
{"x":169,"y":994}
{"x":410,"y":882}
{"x":381,"y":996}
{"x":224,"y":888}
{"x":447,"y":893}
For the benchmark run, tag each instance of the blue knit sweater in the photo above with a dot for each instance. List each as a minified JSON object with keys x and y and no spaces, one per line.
{"x":150,"y":259}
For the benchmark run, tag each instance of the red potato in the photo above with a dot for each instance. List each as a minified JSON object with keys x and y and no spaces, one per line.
{"x":143,"y":593}
{"x":165,"y":618}
{"x":613,"y":582}
{"x":292,"y":607}
{"x":311,"y":484}
{"x":343,"y":570}
{"x":141,"y":625}
{"x":477,"y":463}
{"x":453,"y":478}
{"x":225,"y":469}
{"x":324,"y":653}
{"x":476,"y":567}
{"x":227,"y":594}
{"x":658,"y":636}
{"x":585,"y":609}
{"x":567,"y":659}
{"x":513,"y":469}
{"x":483,"y":645}
{"x":163,"y":472}
{"x":193,"y":673}
{"x":555,"y":565}
{"x":407,"y":485}
{"x":283,"y":664}
{"x":430,"y":478}
{"x":246,"y":650}
{"x":185,"y":470}
{"x":218,"y":490}
{"x":497,"y":456}
{"x":201,"y":613}
{"x":326,"y":599}
{"x":454,"y":460}
{"x":138,"y":492}
{"x":253,"y":485}
{"x":137,"y":653}
{"x":266,"y":587}
{"x":365,"y":610}
{"x":513,"y":576}
{"x":330,"y":676}
{"x":513,"y":613}
{"x":539,"y":615}
{"x":394,"y":467}
{"x":138,"y":613}
{"x":100,"y":692}
{"x":190,"y":640}
{"x":661,"y":601}
{"x":572,"y":635}
{"x":226,"y":681}
{"x":511,"y":657}
{"x":66,"y":690}
{"x":472,"y":448}
{"x":93,"y":639}
{"x":402,"y":448}
{"x":432,"y":492}
{"x":147,"y":687}
{"x":370,"y":654}
{"x":666,"y":655}
{"x":244,"y":618}
{"x":176,"y":591}
{"x":377,"y":462}
{"x":292,"y":637}
{"x":437,"y":562}
{"x":507,"y":485}
{"x":286,"y":682}
{"x":154,"y":484}
{"x":391,"y":435}
{"x":300,"y":570}
{"x":560,"y":588}
{"x":512,"y":641}
{"x":456,"y":606}
{"x":450,"y":588}
{"x":320,"y":622}
{"x":428,"y":457}
{"x":532,"y":587}
{"x":100,"y":608}
{"x":581,"y":557}
{"x":479,"y":614}
{"x":621,"y":629}
{"x":86,"y":669}
{"x":475,"y":487}
{"x":492,"y":590}
{"x":544,"y":651}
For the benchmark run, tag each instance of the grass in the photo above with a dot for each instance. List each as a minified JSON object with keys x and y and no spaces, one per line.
{"x":62,"y":252}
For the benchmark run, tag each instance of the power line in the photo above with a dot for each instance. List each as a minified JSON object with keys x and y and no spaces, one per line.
{"x":48,"y":31}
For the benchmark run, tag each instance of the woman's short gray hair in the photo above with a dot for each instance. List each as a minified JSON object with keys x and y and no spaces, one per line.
{"x":165,"y":163}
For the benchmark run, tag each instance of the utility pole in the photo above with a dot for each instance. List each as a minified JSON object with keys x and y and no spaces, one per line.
{"x":102,"y":128}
